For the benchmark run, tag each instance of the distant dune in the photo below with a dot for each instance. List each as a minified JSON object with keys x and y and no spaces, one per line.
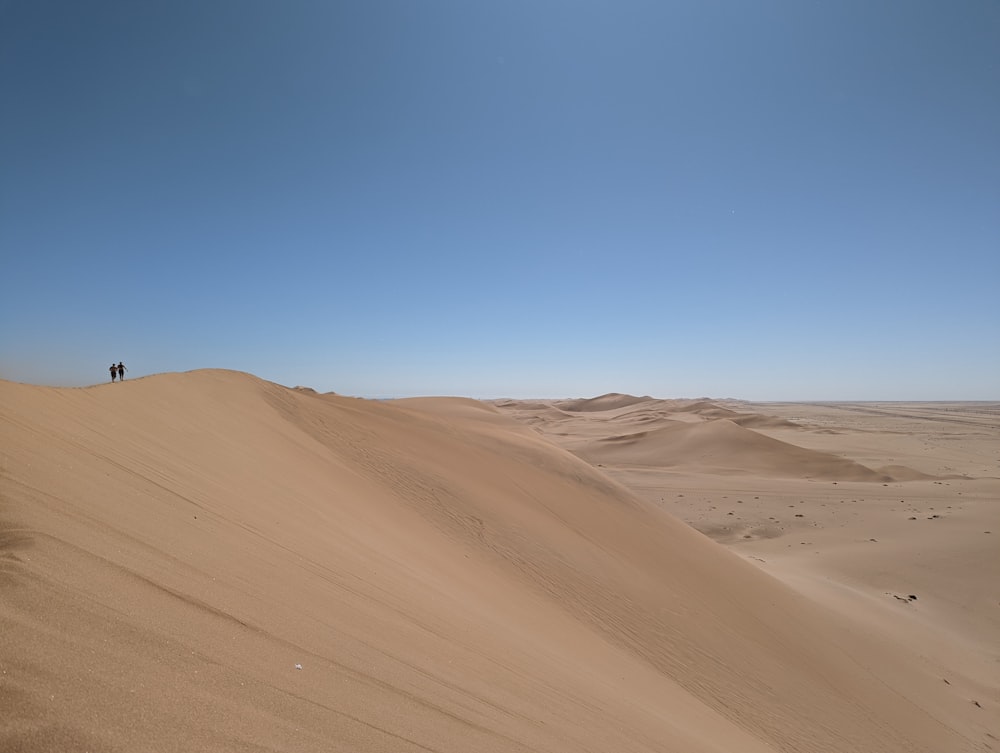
{"x":208,"y":561}
{"x":626,"y":430}
{"x":611,"y":401}
{"x":725,"y":446}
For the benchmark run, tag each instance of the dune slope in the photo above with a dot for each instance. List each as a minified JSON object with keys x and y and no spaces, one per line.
{"x":208,"y":561}
{"x":725,"y":446}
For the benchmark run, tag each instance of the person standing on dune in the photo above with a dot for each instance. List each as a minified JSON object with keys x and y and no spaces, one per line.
{"x":114,"y":371}
{"x":121,"y":372}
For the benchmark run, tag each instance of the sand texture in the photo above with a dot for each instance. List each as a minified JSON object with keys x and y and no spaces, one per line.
{"x":211,"y":562}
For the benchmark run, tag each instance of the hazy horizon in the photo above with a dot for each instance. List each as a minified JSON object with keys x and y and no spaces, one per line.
{"x":538,"y":397}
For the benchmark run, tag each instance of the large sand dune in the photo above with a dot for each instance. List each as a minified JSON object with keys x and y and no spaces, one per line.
{"x":207,"y":561}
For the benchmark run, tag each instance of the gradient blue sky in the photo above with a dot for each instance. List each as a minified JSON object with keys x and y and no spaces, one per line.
{"x":789,"y":200}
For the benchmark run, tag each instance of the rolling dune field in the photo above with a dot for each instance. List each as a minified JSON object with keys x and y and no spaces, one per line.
{"x":208,"y":561}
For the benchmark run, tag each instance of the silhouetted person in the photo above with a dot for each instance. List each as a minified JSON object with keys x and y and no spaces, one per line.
{"x":121,"y":372}
{"x":114,"y":371}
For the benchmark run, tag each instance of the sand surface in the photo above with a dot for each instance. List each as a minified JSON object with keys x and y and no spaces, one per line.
{"x":207,"y":561}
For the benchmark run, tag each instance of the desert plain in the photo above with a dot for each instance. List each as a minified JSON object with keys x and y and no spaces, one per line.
{"x":208,"y":561}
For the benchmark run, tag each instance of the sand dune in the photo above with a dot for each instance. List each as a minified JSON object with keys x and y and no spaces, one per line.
{"x":541,"y":413}
{"x":623,"y":430}
{"x":208,"y":561}
{"x":709,"y":410}
{"x":611,"y":401}
{"x":725,"y":447}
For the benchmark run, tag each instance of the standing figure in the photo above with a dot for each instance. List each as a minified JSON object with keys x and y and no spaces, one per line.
{"x":121,"y":372}
{"x":114,"y":371}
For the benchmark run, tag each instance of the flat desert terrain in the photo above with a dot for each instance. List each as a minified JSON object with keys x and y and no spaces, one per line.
{"x":211,"y":562}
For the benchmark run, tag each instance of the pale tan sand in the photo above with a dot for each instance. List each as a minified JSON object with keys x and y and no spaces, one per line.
{"x":859,"y":507}
{"x":173,"y":548}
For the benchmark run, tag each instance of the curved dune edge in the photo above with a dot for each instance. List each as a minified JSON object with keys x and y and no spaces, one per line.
{"x":210,"y":561}
{"x":723,"y":445}
{"x":611,"y":401}
{"x":625,"y":430}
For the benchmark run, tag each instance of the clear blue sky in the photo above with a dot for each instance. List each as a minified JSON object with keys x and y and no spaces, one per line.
{"x":786,"y":200}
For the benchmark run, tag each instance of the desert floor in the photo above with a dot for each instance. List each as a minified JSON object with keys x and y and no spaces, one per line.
{"x":208,"y":561}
